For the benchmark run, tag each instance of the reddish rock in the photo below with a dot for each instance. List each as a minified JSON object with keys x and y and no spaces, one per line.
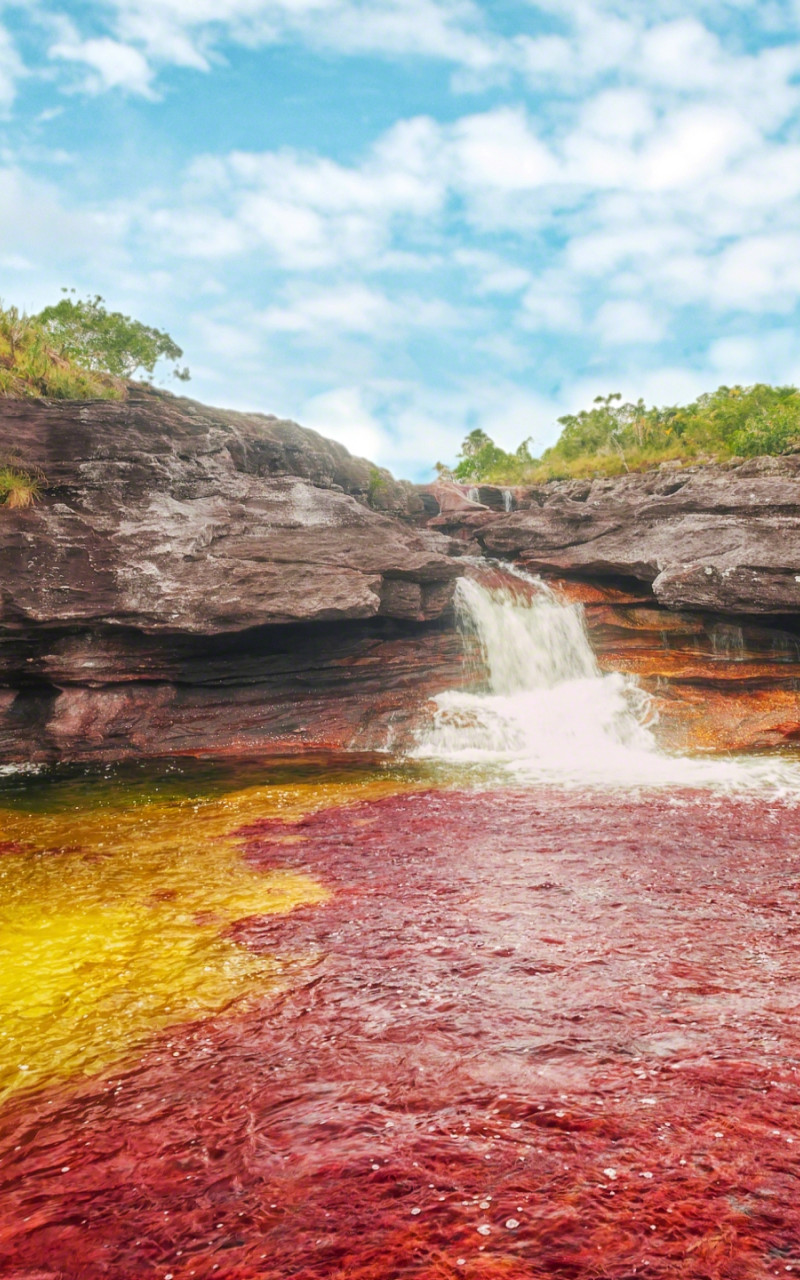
{"x":197,"y":580}
{"x":166,"y":593}
{"x":165,"y":515}
{"x":717,"y":684}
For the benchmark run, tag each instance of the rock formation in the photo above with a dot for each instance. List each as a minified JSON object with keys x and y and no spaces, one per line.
{"x":689,"y":579}
{"x":167,"y":592}
{"x":717,"y":538}
{"x":195,"y":580}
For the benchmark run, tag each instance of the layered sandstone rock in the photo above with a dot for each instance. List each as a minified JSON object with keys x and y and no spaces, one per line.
{"x":689,"y":579}
{"x":721,"y":539}
{"x":717,"y":683}
{"x":169,"y":591}
{"x":164,"y":515}
{"x":197,"y":580}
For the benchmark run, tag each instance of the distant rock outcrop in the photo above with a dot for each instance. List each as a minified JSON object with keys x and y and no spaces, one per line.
{"x":717,"y":538}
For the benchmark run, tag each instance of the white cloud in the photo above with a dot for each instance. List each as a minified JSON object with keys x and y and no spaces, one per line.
{"x":650,"y":183}
{"x":184,"y":32}
{"x":770,"y":356}
{"x":696,"y":143}
{"x":112,"y":64}
{"x":494,"y":275}
{"x":627,"y":322}
{"x":341,"y":415}
{"x":11,"y":70}
{"x":307,"y":212}
{"x":408,"y":427}
{"x":354,"y":309}
{"x":552,"y":304}
{"x":499,"y":151}
{"x":759,"y":273}
{"x":35,"y":223}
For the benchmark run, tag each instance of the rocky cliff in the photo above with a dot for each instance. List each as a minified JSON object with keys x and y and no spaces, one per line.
{"x":168,"y":592}
{"x":197,"y":580}
{"x":725,"y":539}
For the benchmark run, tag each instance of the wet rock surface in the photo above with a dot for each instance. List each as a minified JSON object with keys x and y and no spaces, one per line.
{"x":717,"y":683}
{"x":688,"y":579}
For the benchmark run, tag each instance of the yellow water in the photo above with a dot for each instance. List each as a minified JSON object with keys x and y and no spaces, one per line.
{"x":113,"y":915}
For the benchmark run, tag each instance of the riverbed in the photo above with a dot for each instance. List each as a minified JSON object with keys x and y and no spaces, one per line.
{"x":507,"y":1005}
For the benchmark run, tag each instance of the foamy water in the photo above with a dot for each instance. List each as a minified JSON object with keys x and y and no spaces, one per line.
{"x":547,"y":713}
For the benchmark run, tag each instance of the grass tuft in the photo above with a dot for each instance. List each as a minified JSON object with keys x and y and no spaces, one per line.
{"x":19,"y":487}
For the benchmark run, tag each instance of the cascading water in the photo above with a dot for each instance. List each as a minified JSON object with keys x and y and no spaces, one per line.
{"x":544,"y":711}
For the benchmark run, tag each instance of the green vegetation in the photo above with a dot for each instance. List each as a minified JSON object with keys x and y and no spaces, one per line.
{"x":19,"y":486}
{"x":30,"y":366}
{"x":107,"y":341}
{"x":613,"y":437}
{"x":77,"y":350}
{"x":376,"y":487}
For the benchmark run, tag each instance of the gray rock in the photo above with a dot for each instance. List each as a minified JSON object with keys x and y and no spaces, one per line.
{"x":722,"y":539}
{"x":164,"y":515}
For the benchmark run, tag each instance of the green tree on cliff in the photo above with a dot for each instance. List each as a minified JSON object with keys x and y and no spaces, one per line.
{"x":480,"y":458}
{"x":102,"y":341}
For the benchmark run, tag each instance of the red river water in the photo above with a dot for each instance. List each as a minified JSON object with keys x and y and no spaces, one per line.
{"x":539,"y":1035}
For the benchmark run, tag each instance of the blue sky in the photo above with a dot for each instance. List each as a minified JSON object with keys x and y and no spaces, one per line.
{"x":397,"y":220}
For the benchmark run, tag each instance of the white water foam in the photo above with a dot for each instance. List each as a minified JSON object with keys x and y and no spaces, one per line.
{"x":547,"y":713}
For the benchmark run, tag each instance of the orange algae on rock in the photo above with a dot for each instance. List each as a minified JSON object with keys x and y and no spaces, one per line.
{"x":546,"y":1036}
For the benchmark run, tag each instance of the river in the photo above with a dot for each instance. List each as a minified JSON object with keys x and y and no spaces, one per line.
{"x":518,"y":1003}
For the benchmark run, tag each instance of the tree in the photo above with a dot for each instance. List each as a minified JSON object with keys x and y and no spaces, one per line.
{"x":102,"y":341}
{"x":479,"y":457}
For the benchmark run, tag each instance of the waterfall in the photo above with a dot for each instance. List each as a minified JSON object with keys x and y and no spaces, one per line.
{"x":541,"y":709}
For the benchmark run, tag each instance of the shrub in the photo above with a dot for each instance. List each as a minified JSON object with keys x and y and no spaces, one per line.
{"x":102,"y":341}
{"x":614,"y":436}
{"x":19,"y":487}
{"x":29,"y":366}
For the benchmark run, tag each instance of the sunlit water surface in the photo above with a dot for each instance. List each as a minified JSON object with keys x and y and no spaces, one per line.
{"x":116,"y":889}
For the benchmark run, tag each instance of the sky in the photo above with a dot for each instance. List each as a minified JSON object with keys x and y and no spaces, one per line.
{"x":398,"y":220}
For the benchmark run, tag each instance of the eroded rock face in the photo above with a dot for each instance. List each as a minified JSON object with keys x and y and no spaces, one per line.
{"x":722,"y":539}
{"x":689,"y":580}
{"x":113,"y":694}
{"x":168,"y":516}
{"x":196,"y":580}
{"x":717,"y":683}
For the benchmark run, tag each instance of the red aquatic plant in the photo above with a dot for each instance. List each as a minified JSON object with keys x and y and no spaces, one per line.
{"x":530,"y":1035}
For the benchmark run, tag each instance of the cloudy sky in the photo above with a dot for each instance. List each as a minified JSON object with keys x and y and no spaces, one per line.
{"x":397,"y":220}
